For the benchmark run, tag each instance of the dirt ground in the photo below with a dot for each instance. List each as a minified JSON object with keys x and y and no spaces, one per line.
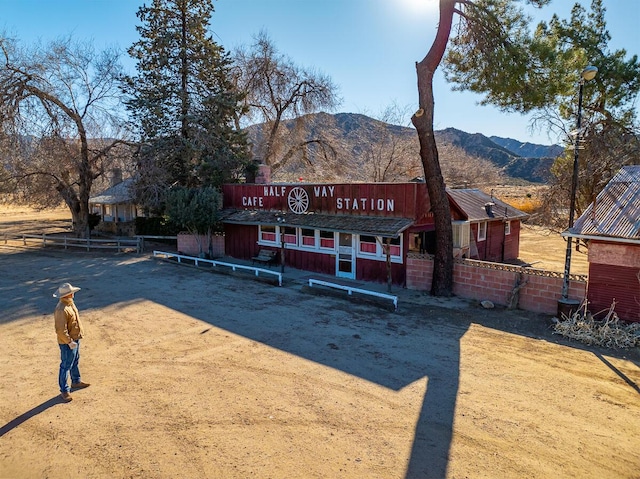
{"x":206,"y":375}
{"x":546,"y":250}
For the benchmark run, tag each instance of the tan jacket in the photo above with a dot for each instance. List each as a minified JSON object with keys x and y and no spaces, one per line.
{"x":67,"y":319}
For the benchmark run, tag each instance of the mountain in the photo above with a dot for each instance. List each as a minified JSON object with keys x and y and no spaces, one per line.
{"x":505,"y":153}
{"x":361,"y":146}
{"x":476,"y":144}
{"x":528,"y":150}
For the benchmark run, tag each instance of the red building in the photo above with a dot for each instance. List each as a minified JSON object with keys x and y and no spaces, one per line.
{"x":361,"y":231}
{"x":611,"y":228}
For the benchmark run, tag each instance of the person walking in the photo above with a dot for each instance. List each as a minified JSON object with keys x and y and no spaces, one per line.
{"x":69,"y":332}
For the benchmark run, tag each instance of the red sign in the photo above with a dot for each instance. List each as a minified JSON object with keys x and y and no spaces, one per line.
{"x":400,"y":200}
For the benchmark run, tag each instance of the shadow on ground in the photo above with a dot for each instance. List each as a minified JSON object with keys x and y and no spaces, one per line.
{"x":421,"y":341}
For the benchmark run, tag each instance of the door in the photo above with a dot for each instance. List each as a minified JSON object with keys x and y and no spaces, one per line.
{"x":345,"y":267}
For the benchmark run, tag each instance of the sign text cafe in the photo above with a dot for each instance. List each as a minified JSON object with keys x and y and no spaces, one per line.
{"x":347,"y":230}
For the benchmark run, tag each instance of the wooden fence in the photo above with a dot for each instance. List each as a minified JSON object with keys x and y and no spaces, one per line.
{"x":118,"y":244}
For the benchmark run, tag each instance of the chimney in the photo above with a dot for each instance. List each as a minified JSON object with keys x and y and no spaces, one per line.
{"x":116,"y":176}
{"x":263,"y":177}
{"x":488,"y":207}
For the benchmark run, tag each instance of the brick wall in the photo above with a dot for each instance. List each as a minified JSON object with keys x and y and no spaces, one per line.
{"x":187,"y":244}
{"x":495,"y":282}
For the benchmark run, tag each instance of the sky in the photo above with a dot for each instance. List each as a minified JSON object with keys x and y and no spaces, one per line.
{"x":368,"y":47}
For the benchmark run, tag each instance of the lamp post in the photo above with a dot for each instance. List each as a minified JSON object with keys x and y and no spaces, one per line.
{"x":589,"y":73}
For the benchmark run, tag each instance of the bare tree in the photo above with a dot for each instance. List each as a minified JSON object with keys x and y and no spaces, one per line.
{"x":277,"y":89}
{"x":393,"y":155}
{"x":461,"y":170}
{"x":59,"y":108}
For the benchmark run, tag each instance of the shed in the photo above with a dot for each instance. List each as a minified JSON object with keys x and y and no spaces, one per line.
{"x":610,"y":226}
{"x":494,"y":226}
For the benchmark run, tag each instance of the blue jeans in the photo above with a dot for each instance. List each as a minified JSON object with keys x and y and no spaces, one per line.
{"x":69,"y":359}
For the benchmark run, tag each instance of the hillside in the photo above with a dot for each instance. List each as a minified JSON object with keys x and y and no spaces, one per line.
{"x":528,"y":150}
{"x":355,"y":147}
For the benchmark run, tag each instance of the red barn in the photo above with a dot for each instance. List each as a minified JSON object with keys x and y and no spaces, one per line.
{"x":361,"y":230}
{"x":611,"y":228}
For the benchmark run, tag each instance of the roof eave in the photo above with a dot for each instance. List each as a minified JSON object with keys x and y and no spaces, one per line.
{"x":614,"y":239}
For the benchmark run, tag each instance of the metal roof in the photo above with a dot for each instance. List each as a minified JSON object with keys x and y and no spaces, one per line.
{"x":616,"y":211}
{"x":472,"y":202}
{"x":119,"y":193}
{"x":375,"y":226}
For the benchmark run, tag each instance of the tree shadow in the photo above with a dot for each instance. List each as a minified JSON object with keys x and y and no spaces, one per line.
{"x":389,"y":349}
{"x":31,"y":413}
{"x":622,"y":375}
{"x":434,"y":431}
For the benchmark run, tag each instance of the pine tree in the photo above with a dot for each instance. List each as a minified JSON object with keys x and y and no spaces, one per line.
{"x":183,"y":101}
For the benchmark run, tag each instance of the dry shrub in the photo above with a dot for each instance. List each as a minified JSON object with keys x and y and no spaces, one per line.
{"x":526,"y":205}
{"x":609,"y":332}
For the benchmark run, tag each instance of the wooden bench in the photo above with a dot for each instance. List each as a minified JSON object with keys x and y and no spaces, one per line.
{"x":265,"y":256}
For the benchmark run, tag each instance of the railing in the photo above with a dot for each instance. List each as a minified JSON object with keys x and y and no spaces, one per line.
{"x":351,"y":289}
{"x":215,"y":263}
{"x":87,"y":243}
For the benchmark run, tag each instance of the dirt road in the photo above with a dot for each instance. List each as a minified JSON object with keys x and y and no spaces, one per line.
{"x":202,"y":375}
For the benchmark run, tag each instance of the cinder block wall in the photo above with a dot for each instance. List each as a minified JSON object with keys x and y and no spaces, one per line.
{"x":470,"y":280}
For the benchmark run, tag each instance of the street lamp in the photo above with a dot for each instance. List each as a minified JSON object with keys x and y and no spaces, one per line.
{"x":589,"y":73}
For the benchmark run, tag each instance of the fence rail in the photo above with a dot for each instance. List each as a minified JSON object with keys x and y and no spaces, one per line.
{"x":86,"y":243}
{"x":351,"y":290}
{"x":234,"y":267}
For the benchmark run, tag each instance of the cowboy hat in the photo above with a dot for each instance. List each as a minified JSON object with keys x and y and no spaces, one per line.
{"x":64,"y":290}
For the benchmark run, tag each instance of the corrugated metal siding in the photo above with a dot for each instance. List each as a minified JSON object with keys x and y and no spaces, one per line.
{"x":616,"y":211}
{"x":607,"y":282}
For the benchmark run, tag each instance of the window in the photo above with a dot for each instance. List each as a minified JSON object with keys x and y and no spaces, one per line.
{"x":374,"y":247}
{"x":395,"y":246}
{"x":327,"y":239}
{"x":307,"y":238}
{"x":482,"y":231}
{"x":507,"y":228}
{"x":290,"y":236}
{"x":461,"y":234}
{"x":368,"y":244}
{"x":267,"y":233}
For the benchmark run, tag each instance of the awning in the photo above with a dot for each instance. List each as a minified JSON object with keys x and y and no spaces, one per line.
{"x":387,"y":227}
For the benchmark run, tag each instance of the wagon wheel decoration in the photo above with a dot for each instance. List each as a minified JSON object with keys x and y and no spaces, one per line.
{"x":298,"y":200}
